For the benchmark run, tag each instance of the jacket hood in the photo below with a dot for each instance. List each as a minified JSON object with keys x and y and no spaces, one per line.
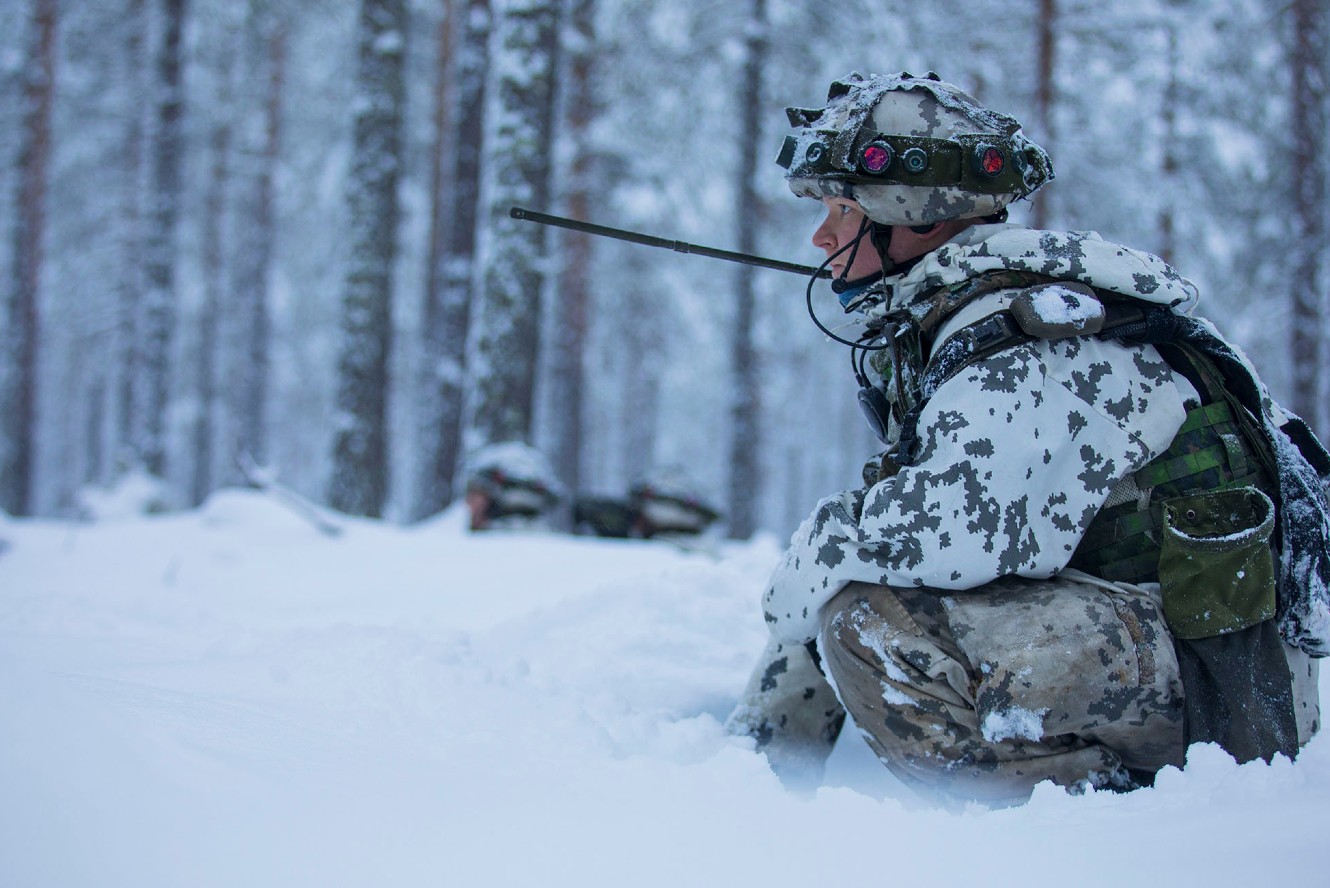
{"x":1081,"y":256}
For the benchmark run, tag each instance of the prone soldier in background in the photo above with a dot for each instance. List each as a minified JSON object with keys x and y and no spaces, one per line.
{"x":510,"y":486}
{"x":661,"y":506}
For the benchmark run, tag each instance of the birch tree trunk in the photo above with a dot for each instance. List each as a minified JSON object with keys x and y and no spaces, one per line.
{"x":359,"y":483}
{"x":745,"y":442}
{"x":18,"y":356}
{"x":518,"y":144}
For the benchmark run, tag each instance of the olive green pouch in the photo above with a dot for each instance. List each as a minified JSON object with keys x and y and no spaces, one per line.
{"x":1215,"y":565}
{"x":1216,"y":576}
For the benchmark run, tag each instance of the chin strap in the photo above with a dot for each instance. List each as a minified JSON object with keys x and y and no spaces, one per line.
{"x":881,"y":236}
{"x":849,"y":292}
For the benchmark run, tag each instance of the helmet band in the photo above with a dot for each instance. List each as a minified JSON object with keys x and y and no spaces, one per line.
{"x":983,"y":163}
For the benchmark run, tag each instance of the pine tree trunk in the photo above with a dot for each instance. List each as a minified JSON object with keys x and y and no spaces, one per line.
{"x":518,"y":141}
{"x":359,"y":484}
{"x":1169,"y":167}
{"x":574,"y":291}
{"x":1045,"y":96}
{"x":131,"y":238}
{"x":462,"y":66}
{"x":248,"y":401}
{"x":1310,"y":73}
{"x":18,"y":357}
{"x":159,"y":309}
{"x":745,"y":443}
{"x":214,"y":284}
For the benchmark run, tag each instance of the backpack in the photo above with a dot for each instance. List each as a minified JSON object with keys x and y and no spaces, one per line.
{"x":1205,"y":519}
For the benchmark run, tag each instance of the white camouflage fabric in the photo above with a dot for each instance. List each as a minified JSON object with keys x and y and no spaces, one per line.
{"x":1017,"y":452}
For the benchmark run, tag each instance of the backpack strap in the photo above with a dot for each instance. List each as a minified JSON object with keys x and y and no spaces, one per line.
{"x":1078,"y":310}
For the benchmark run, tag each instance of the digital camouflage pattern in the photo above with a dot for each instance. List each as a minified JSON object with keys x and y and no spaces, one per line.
{"x":975,"y":662}
{"x":1016,"y":453}
{"x":982,"y":694}
{"x":791,"y":712}
{"x":964,"y":665}
{"x":921,"y":107}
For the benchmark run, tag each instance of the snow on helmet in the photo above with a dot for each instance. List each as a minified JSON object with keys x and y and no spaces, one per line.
{"x":516,"y":476}
{"x":911,"y":151}
{"x":667,"y":502}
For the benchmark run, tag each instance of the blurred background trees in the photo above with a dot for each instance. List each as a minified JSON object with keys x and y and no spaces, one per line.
{"x":249,"y":231}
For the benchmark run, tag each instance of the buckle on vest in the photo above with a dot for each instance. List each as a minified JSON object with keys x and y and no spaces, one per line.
{"x":992,"y":332}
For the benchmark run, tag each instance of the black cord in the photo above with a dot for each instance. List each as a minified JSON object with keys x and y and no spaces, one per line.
{"x":808,"y":301}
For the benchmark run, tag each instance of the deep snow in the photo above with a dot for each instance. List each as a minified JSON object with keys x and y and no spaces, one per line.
{"x":227,"y":697}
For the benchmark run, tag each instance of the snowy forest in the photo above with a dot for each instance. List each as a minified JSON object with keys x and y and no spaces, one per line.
{"x":276,"y":233}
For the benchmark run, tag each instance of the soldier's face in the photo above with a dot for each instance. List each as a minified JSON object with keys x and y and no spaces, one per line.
{"x":841,"y":226}
{"x":479,"y":506}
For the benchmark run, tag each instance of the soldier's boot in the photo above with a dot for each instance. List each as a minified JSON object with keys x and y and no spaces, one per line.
{"x":792,"y":713}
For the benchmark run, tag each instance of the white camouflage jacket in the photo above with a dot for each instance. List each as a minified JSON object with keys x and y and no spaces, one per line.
{"x":1017,"y":452}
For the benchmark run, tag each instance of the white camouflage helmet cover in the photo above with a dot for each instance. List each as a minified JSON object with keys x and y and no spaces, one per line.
{"x":911,"y":151}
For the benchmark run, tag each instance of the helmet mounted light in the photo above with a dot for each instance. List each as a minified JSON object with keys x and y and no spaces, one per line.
{"x":989,"y":160}
{"x":972,"y":162}
{"x":876,"y":156}
{"x":915,"y":160}
{"x":911,"y":150}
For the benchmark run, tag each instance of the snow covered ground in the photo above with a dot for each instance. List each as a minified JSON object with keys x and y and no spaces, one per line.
{"x":227,"y":697}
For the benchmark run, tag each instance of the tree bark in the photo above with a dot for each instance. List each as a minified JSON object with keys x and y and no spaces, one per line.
{"x":214,"y":285}
{"x":255,"y":243}
{"x":18,"y":359}
{"x":359,"y":482}
{"x":131,"y":240}
{"x":1169,"y":167}
{"x":1045,"y":96}
{"x":745,"y":442}
{"x":1309,"y":124}
{"x":159,"y":315}
{"x":462,"y":88}
{"x":518,"y":141}
{"x":573,"y":293}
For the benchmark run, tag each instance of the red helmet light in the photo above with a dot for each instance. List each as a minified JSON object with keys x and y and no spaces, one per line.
{"x":876,"y":156}
{"x":991,"y":160}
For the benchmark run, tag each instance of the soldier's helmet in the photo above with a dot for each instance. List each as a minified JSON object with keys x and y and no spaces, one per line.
{"x":666,"y":503}
{"x":911,"y":151}
{"x":516,"y":479}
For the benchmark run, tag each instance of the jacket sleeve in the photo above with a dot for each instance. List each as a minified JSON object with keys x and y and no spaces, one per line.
{"x":1017,"y":454}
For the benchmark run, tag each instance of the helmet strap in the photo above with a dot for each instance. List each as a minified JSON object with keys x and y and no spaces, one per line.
{"x":843,"y":283}
{"x":881,"y":236}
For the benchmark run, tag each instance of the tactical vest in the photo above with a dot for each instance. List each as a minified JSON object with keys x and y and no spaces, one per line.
{"x":1217,"y":448}
{"x":1208,"y":519}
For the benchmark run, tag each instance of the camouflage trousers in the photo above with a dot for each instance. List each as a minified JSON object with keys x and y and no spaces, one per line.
{"x":984,"y":693}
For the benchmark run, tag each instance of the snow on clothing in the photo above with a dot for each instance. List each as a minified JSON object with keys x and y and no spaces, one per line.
{"x":983,"y":694}
{"x":1020,"y":678}
{"x":1017,"y":452}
